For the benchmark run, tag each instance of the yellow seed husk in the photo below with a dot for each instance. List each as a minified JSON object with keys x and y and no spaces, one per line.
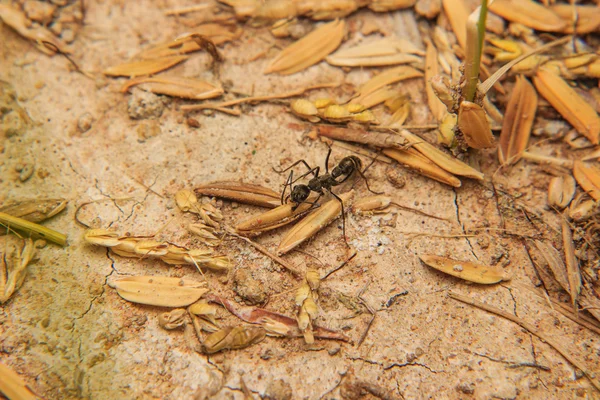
{"x":302,"y":293}
{"x":322,"y":103}
{"x":35,"y":210}
{"x":389,"y":51}
{"x":445,"y":134}
{"x":582,"y":210}
{"x":573,"y":274}
{"x":468,"y":271}
{"x":577,"y":111}
{"x":372,"y":203}
{"x":13,"y":386}
{"x":355,"y":108}
{"x":309,"y":50}
{"x":377,"y":97}
{"x":443,"y":160}
{"x":518,"y":121}
{"x":335,"y":111}
{"x":390,"y":5}
{"x":588,"y":17}
{"x":561,"y":191}
{"x":233,"y":338}
{"x":388,"y":77}
{"x":528,"y":13}
{"x":400,"y":116}
{"x":272,"y":219}
{"x":15,"y":255}
{"x":313,"y":223}
{"x":313,"y":279}
{"x":474,"y":125}
{"x":303,"y":107}
{"x":242,"y":192}
{"x":396,"y":102}
{"x":588,"y":177}
{"x":186,"y":200}
{"x":145,"y":67}
{"x":432,"y":68}
{"x":187,"y":88}
{"x":159,"y":291}
{"x":101,"y":237}
{"x":415,"y":160}
{"x":457,"y":13}
{"x":202,"y":308}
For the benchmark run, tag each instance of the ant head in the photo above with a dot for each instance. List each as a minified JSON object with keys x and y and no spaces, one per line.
{"x":300,"y":193}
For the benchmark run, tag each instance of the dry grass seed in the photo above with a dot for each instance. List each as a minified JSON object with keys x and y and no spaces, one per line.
{"x":187,"y":88}
{"x":530,"y":14}
{"x":472,"y":272}
{"x":160,"y":291}
{"x":588,"y":177}
{"x":144,"y":67}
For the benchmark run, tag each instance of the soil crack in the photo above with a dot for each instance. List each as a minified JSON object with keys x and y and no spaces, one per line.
{"x":457,"y":207}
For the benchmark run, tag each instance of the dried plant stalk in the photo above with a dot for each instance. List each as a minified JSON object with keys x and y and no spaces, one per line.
{"x":13,"y":386}
{"x":313,"y":223}
{"x":468,"y":271}
{"x":415,"y":160}
{"x":441,"y":159}
{"x":309,"y":50}
{"x":432,"y":68}
{"x":568,"y":103}
{"x":145,"y":67}
{"x":518,"y":121}
{"x":160,"y":291}
{"x":474,"y":125}
{"x":35,"y":210}
{"x":388,"y":77}
{"x":377,"y":139}
{"x":528,"y":13}
{"x":561,"y":191}
{"x":243,"y":192}
{"x":23,"y":225}
{"x":573,"y":274}
{"x":187,"y":88}
{"x":588,"y":177}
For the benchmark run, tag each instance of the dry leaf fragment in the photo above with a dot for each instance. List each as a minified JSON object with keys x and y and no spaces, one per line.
{"x":573,"y":274}
{"x":243,"y":192}
{"x":309,"y":50}
{"x":555,"y":263}
{"x":15,"y":255}
{"x":144,"y":67}
{"x":388,"y":77}
{"x":440,"y":158}
{"x":518,"y":121}
{"x":415,"y":160}
{"x":568,"y":103}
{"x":313,"y":223}
{"x":528,"y":13}
{"x":35,"y":210}
{"x":187,"y":88}
{"x":468,"y":271}
{"x":233,"y":338}
{"x":561,"y":191}
{"x":474,"y":125}
{"x":588,"y":177}
{"x":13,"y":386}
{"x":160,"y":291}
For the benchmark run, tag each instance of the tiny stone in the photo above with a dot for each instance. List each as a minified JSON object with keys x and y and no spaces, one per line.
{"x":457,"y":267}
{"x":334,"y":351}
{"x":56,"y":28}
{"x":410,"y":357}
{"x":193,"y":123}
{"x":278,"y":390}
{"x":68,"y":35}
{"x":147,"y":130}
{"x":395,"y":177}
{"x":143,"y":105}
{"x":84,"y":122}
{"x":466,"y":388}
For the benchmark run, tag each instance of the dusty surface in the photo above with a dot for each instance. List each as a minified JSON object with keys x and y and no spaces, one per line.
{"x":72,"y":336}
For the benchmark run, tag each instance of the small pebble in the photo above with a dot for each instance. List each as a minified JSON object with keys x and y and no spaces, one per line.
{"x":84,"y":122}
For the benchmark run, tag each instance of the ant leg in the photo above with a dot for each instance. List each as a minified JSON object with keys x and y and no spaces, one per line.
{"x":287,"y":183}
{"x":361,"y":173}
{"x":343,"y":217}
{"x":314,"y":171}
{"x":293,"y":165}
{"x":327,"y":161}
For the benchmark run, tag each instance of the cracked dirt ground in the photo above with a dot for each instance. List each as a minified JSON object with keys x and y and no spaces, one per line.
{"x":71,"y":336}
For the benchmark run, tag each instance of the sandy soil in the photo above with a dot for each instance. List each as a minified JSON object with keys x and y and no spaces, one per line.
{"x":71,"y":336}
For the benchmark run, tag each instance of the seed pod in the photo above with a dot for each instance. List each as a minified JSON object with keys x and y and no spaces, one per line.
{"x":202,"y":308}
{"x":186,"y":200}
{"x":561,"y":191}
{"x":242,"y":192}
{"x":302,"y":293}
{"x":311,"y":308}
{"x":160,"y":291}
{"x":305,"y":109}
{"x":313,"y":279}
{"x":313,"y":223}
{"x":322,"y":103}
{"x":474,"y":125}
{"x":186,"y":88}
{"x":173,"y":319}
{"x":469,"y":271}
{"x":336,"y":112}
{"x":568,"y":103}
{"x":101,"y":237}
{"x":233,"y":338}
{"x":365,"y":117}
{"x":588,"y":177}
{"x":145,"y":67}
{"x":372,"y":203}
{"x":518,"y":120}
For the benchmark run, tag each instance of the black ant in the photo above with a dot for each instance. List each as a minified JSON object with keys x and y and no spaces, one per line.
{"x":319,"y":183}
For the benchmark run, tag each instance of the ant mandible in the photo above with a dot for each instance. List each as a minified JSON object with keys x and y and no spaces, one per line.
{"x":319,"y":183}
